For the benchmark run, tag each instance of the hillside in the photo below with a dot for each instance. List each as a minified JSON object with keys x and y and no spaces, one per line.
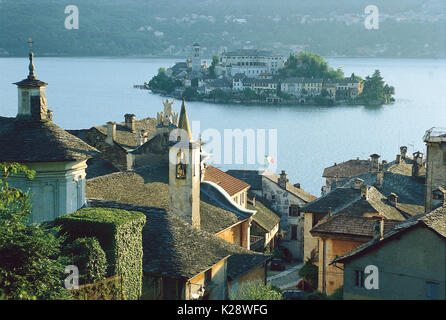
{"x":408,"y":28}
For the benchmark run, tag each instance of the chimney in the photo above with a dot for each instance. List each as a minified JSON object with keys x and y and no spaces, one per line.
{"x":49,"y":116}
{"x":141,"y":137}
{"x":297,"y":185}
{"x":379,"y":178}
{"x":403,"y":152}
{"x":378,"y":229}
{"x":254,"y":201}
{"x":358,"y":183}
{"x":398,"y":158}
{"x":283,"y":180}
{"x":374,"y":163}
{"x":130,"y":122}
{"x":329,"y":211}
{"x":393,"y":199}
{"x":111,"y":132}
{"x":364,"y":191}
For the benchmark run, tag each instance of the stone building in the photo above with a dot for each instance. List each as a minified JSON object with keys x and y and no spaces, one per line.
{"x":435,"y":140}
{"x":197,"y":238}
{"x":342,"y":171}
{"x":344,"y":228}
{"x":284,"y":199}
{"x":59,"y":158}
{"x":410,"y":259}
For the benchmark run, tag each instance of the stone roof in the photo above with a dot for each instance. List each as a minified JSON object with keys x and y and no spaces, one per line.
{"x":173,"y":248}
{"x":251,"y":177}
{"x":264,"y":217}
{"x":298,"y":192}
{"x":40,"y":141}
{"x":127,"y":139}
{"x":410,"y":190}
{"x":148,"y":186}
{"x":230,"y":184}
{"x":97,"y":167}
{"x":404,"y":167}
{"x":344,"y":225}
{"x":348,"y":201}
{"x":347,"y":169}
{"x":434,"y":220}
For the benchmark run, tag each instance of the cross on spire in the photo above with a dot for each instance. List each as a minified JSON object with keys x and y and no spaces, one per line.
{"x":31,"y":67}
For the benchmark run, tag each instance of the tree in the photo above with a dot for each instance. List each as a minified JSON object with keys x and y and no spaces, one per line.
{"x":309,"y":273}
{"x":375,"y":89}
{"x":257,"y":290}
{"x":308,"y":65}
{"x":163,"y":82}
{"x":215,"y":61}
{"x":190,"y":93}
{"x":30,"y":263}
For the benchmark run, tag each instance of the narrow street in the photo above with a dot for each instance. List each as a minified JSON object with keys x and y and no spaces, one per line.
{"x":287,"y":279}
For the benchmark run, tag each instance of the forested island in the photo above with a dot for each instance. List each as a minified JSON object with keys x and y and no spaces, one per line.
{"x":262,"y":77}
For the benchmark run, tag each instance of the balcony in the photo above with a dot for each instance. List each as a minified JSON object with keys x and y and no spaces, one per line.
{"x":435,"y":135}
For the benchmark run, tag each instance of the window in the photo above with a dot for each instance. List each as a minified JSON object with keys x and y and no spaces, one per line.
{"x":294,"y":211}
{"x":242,"y":198}
{"x":273,"y":196}
{"x":432,"y":290}
{"x":293,"y":232}
{"x":236,"y":199}
{"x":359,"y":279}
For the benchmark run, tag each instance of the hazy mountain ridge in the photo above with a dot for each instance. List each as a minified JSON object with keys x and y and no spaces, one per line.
{"x":408,"y":28}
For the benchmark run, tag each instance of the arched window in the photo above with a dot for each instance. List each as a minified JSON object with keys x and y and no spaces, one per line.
{"x":180,"y":167}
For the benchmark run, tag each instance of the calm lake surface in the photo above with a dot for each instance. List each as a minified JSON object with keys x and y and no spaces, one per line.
{"x":84,"y":92}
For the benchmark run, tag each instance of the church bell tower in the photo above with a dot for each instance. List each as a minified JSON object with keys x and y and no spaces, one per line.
{"x":184,"y":173}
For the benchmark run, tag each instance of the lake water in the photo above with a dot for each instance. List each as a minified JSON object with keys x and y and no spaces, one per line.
{"x":84,"y":92}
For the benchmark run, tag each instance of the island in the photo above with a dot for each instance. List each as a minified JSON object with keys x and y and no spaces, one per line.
{"x":249,"y":76}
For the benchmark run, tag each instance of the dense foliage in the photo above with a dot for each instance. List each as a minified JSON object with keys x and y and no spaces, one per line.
{"x":376,"y":90}
{"x":163,"y":82}
{"x":120,"y":234}
{"x":309,"y":273}
{"x":89,"y":257}
{"x":107,"y":289}
{"x":308,"y":65}
{"x":256,"y":290}
{"x":31,"y":266}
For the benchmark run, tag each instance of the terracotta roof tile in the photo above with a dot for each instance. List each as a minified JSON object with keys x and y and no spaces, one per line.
{"x":230,"y":184}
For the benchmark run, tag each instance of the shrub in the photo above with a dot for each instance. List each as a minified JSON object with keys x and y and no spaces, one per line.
{"x":89,"y":257}
{"x":120,"y":234}
{"x":309,"y":272}
{"x":257,"y":290}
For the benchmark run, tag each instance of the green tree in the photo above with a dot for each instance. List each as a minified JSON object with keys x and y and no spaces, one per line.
{"x":163,"y":82}
{"x":257,"y":290}
{"x":309,"y":273}
{"x":307,"y":65}
{"x":215,"y":61}
{"x":376,"y":90}
{"x":30,"y":263}
{"x":190,"y":93}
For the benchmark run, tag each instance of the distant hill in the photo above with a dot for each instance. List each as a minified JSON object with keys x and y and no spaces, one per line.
{"x":408,"y":28}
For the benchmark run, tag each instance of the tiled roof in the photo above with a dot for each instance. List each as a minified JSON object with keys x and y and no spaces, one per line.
{"x":248,"y":52}
{"x":434,"y":220}
{"x":40,"y":141}
{"x":300,"y":193}
{"x":264,"y":217}
{"x":230,"y":184}
{"x":173,"y":248}
{"x":127,"y":139}
{"x":148,"y":186}
{"x":347,"y":169}
{"x":344,"y":225}
{"x":251,"y":177}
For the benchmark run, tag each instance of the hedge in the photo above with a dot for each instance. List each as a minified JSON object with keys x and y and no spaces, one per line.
{"x":120,"y":234}
{"x":107,"y":289}
{"x":88,"y":255}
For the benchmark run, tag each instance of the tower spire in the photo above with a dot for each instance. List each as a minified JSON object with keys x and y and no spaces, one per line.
{"x":32,"y":74}
{"x":183,"y":122}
